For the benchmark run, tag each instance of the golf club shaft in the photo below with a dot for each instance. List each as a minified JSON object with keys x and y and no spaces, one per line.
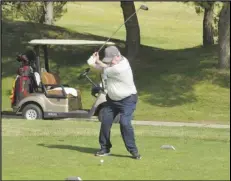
{"x":91,"y":81}
{"x":95,"y":84}
{"x":117,"y":30}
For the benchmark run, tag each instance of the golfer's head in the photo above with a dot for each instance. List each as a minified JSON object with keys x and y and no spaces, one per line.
{"x":111,"y":55}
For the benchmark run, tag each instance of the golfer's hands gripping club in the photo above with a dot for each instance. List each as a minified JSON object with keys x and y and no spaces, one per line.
{"x":92,"y":59}
{"x":98,"y":61}
{"x":96,"y":57}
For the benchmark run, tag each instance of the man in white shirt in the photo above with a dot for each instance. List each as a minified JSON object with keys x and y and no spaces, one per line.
{"x":121,"y":98}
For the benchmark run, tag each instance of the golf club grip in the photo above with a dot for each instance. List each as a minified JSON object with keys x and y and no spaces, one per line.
{"x":117,"y":30}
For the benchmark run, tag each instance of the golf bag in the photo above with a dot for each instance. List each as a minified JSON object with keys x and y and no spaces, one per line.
{"x":24,"y":82}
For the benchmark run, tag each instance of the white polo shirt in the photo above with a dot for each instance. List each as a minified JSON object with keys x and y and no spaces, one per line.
{"x":120,"y":82}
{"x":119,"y":79}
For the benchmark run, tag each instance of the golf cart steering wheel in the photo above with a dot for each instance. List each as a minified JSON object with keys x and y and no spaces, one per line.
{"x":82,"y":75}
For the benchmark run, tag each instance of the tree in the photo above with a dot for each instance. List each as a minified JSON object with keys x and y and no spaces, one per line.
{"x":49,"y":13}
{"x":208,"y":30}
{"x":7,"y":12}
{"x":39,"y":12}
{"x":132,"y":29}
{"x":224,"y":36}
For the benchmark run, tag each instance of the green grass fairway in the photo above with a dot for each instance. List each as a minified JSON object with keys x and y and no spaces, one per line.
{"x":176,"y":78}
{"x":165,"y":25}
{"x":54,"y":150}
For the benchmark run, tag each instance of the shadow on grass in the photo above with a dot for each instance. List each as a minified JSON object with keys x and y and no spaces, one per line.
{"x":164,"y":78}
{"x":167,"y":77}
{"x":78,"y":148}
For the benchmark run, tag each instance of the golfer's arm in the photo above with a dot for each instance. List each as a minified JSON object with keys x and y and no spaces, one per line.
{"x":91,"y":62}
{"x":101,"y":64}
{"x":96,"y":66}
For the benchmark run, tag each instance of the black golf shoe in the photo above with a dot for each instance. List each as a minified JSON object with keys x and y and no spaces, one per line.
{"x":136,"y":156}
{"x":102,"y":153}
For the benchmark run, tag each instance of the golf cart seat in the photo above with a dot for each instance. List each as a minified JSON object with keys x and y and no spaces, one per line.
{"x":51,"y":78}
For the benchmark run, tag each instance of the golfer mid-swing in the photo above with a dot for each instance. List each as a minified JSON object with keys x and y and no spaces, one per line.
{"x":121,"y":98}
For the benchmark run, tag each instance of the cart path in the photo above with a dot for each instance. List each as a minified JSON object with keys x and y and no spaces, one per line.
{"x":152,"y":123}
{"x":180,"y":124}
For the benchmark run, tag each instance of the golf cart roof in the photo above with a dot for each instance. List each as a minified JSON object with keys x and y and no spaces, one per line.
{"x":67,"y":42}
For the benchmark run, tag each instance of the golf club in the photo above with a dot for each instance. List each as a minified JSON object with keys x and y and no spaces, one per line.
{"x":143,"y":7}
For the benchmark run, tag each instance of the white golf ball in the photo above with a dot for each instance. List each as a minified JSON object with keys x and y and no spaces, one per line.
{"x":101,"y":161}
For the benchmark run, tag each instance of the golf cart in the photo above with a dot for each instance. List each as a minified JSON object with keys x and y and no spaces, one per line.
{"x":38,"y":93}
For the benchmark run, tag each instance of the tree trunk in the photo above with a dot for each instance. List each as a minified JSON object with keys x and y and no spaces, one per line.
{"x":43,"y":15}
{"x":49,"y":13}
{"x":224,"y":36}
{"x":208,"y":36}
{"x":132,"y":30}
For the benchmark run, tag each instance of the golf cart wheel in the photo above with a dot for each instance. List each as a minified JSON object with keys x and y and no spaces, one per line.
{"x":100,"y":116}
{"x":32,"y":112}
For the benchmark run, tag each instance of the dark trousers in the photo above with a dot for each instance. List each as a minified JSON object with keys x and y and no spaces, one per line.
{"x":126,"y":108}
